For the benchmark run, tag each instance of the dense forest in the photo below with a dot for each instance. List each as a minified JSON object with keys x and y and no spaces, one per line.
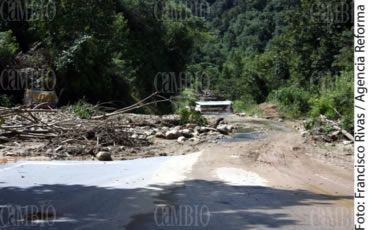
{"x":295,"y":53}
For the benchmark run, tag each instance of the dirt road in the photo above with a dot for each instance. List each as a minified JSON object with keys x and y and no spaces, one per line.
{"x":278,"y":182}
{"x":264,"y":184}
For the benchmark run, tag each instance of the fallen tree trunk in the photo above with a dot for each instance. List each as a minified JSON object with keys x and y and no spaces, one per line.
{"x":337,"y":127}
{"x":137,"y":105}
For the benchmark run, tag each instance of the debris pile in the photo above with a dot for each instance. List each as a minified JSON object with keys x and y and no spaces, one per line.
{"x":328,"y":131}
{"x":64,"y":133}
{"x":65,"y":136}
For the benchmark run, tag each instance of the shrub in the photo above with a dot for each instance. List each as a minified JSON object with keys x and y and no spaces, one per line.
{"x":239,"y":106}
{"x":246,"y":105}
{"x":191,"y":116}
{"x":83,"y":109}
{"x":335,"y":101}
{"x":293,"y":101}
{"x":8,"y":46}
{"x":6,"y":101}
{"x":185,"y":105}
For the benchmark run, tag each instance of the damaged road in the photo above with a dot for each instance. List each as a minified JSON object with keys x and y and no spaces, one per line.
{"x":281,"y":181}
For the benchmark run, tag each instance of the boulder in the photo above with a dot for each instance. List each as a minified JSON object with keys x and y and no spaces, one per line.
{"x":203,"y":130}
{"x":178,"y":128}
{"x":104,"y":156}
{"x":187,"y":133}
{"x":190,"y":126}
{"x":172,"y":134}
{"x":194,"y":139}
{"x":181,"y":139}
{"x":230,"y":128}
{"x":150,"y":132}
{"x":165,"y":128}
{"x":160,"y":134}
{"x":223,"y":129}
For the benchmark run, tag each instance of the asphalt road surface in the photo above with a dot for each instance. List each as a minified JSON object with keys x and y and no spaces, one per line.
{"x":248,"y":185}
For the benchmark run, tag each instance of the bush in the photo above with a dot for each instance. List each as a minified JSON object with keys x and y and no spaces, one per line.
{"x":8,"y":46}
{"x":246,"y":105}
{"x":191,"y":116}
{"x":336,"y":101}
{"x":185,"y":107}
{"x":293,"y":101}
{"x":83,"y":109}
{"x":6,"y":101}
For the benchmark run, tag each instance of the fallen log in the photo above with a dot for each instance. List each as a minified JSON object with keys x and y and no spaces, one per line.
{"x":337,"y":127}
{"x":128,"y":109}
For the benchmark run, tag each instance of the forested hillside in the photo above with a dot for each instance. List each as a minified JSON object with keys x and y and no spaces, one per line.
{"x":296,"y":53}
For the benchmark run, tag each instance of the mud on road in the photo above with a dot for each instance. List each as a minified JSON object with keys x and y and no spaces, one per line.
{"x":280,"y":181}
{"x":271,"y":178}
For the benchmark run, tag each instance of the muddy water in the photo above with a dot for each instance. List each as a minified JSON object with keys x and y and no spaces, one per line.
{"x":246,"y":134}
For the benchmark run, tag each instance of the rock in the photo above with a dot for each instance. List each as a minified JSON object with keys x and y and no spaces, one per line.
{"x":304,"y":133}
{"x":150,"y":132}
{"x":230,"y":128}
{"x":190,"y":126}
{"x":104,"y":156}
{"x":194,"y":139}
{"x":281,"y":120}
{"x":165,"y":128}
{"x":187,"y":133}
{"x":212,"y":132}
{"x":181,"y":139}
{"x":142,"y":137}
{"x":150,"y":138}
{"x":160,"y":134}
{"x":347,"y":142}
{"x":3,"y":139}
{"x":178,"y":128}
{"x":163,"y":154}
{"x":172,"y":134}
{"x":131,"y":130}
{"x":223,"y":129}
{"x":203,"y":129}
{"x":220,"y":137}
{"x":327,"y":138}
{"x":134,"y":136}
{"x":296,"y":148}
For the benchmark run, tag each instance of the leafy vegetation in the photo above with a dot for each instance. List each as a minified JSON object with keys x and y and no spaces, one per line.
{"x":285,"y":52}
{"x":8,"y":46}
{"x":291,"y":52}
{"x":83,"y":109}
{"x":247,"y":105}
{"x":6,"y":101}
{"x":185,"y":107}
{"x":292,"y":100}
